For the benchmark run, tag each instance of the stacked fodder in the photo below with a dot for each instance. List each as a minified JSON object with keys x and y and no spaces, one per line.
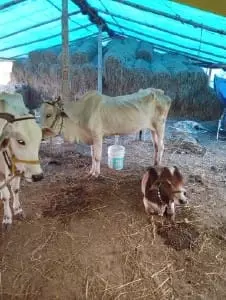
{"x":85,"y":52}
{"x":145,"y":51}
{"x":119,"y":60}
{"x":188,"y":85}
{"x":143,"y":74}
{"x":83,"y":66}
{"x":161,"y":77}
{"x":183,"y":73}
{"x":41,"y":71}
{"x":83,"y":78}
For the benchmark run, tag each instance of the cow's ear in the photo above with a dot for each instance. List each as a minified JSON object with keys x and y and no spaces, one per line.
{"x":47,"y":132}
{"x":6,"y":134}
{"x":4,"y":143}
{"x":177,"y":175}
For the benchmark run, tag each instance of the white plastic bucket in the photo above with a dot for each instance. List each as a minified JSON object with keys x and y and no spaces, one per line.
{"x":116,"y":154}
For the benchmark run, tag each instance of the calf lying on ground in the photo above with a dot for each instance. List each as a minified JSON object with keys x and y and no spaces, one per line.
{"x":162,"y":189}
{"x":95,"y":116}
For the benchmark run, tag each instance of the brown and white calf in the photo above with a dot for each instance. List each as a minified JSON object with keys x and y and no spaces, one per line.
{"x":163,"y":188}
{"x":95,"y":116}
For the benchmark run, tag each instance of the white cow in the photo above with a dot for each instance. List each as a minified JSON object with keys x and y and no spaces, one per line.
{"x":19,"y":154}
{"x":95,"y":116}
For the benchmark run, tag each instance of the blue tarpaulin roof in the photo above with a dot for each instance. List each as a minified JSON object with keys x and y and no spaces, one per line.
{"x":34,"y":24}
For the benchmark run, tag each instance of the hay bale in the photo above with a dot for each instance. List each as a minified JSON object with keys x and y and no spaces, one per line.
{"x":55,"y":71}
{"x":174,"y":63}
{"x":186,"y":84}
{"x":142,"y":65}
{"x":158,"y":68}
{"x":85,"y":52}
{"x":121,"y":52}
{"x":83,"y":78}
{"x":145,"y":51}
{"x":35,"y":57}
{"x":73,"y":48}
{"x":18,"y":72}
{"x":49,"y":57}
{"x":119,"y":60}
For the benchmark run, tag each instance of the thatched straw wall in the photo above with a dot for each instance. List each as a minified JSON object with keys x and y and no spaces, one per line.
{"x":128,"y":65}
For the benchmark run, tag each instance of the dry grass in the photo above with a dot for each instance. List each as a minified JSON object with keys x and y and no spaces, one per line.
{"x":90,"y":239}
{"x":128,"y":66}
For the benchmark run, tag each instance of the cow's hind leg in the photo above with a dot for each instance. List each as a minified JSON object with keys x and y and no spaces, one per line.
{"x":161,"y":134}
{"x":158,"y":141}
{"x":15,"y":186}
{"x":97,"y":149}
{"x":7,"y":217}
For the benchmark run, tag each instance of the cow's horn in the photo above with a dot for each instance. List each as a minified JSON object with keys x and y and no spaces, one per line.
{"x":8,"y":117}
{"x":58,"y":99}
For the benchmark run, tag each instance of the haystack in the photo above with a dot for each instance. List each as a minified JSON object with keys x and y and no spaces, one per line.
{"x":83,"y":78}
{"x":119,"y":60}
{"x":85,"y":52}
{"x":128,"y":65}
{"x":145,"y":51}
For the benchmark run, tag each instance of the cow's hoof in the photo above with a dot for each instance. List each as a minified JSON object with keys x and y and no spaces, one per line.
{"x":6,"y":227}
{"x":20,"y":215}
{"x":96,"y":175}
{"x":18,"y":211}
{"x":93,"y":175}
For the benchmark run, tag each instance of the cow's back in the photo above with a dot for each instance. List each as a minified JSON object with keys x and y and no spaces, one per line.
{"x":13,"y":103}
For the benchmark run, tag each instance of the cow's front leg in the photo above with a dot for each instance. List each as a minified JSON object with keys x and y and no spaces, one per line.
{"x":171,"y":211}
{"x":97,"y":150}
{"x":93,"y":162}
{"x":7,"y":217}
{"x":15,"y":186}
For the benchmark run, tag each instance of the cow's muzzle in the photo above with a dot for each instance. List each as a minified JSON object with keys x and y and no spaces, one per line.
{"x":37,"y":177}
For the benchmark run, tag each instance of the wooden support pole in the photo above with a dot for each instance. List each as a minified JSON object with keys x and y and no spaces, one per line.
{"x":209,"y":75}
{"x":66,"y":86}
{"x":100,"y":67}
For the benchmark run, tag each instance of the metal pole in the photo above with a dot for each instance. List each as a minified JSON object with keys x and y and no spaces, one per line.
{"x":209,"y":75}
{"x":100,"y":69}
{"x":66,"y":87}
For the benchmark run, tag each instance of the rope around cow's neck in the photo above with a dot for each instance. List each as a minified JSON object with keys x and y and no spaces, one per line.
{"x":11,"y":159}
{"x":58,"y":115}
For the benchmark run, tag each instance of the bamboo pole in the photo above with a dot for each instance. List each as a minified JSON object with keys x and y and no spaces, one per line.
{"x":66,"y":86}
{"x":100,"y":68}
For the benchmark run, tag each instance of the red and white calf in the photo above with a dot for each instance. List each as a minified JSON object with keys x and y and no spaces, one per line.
{"x":162,"y":189}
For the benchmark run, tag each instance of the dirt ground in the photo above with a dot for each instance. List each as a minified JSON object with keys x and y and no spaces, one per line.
{"x":90,"y":239}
